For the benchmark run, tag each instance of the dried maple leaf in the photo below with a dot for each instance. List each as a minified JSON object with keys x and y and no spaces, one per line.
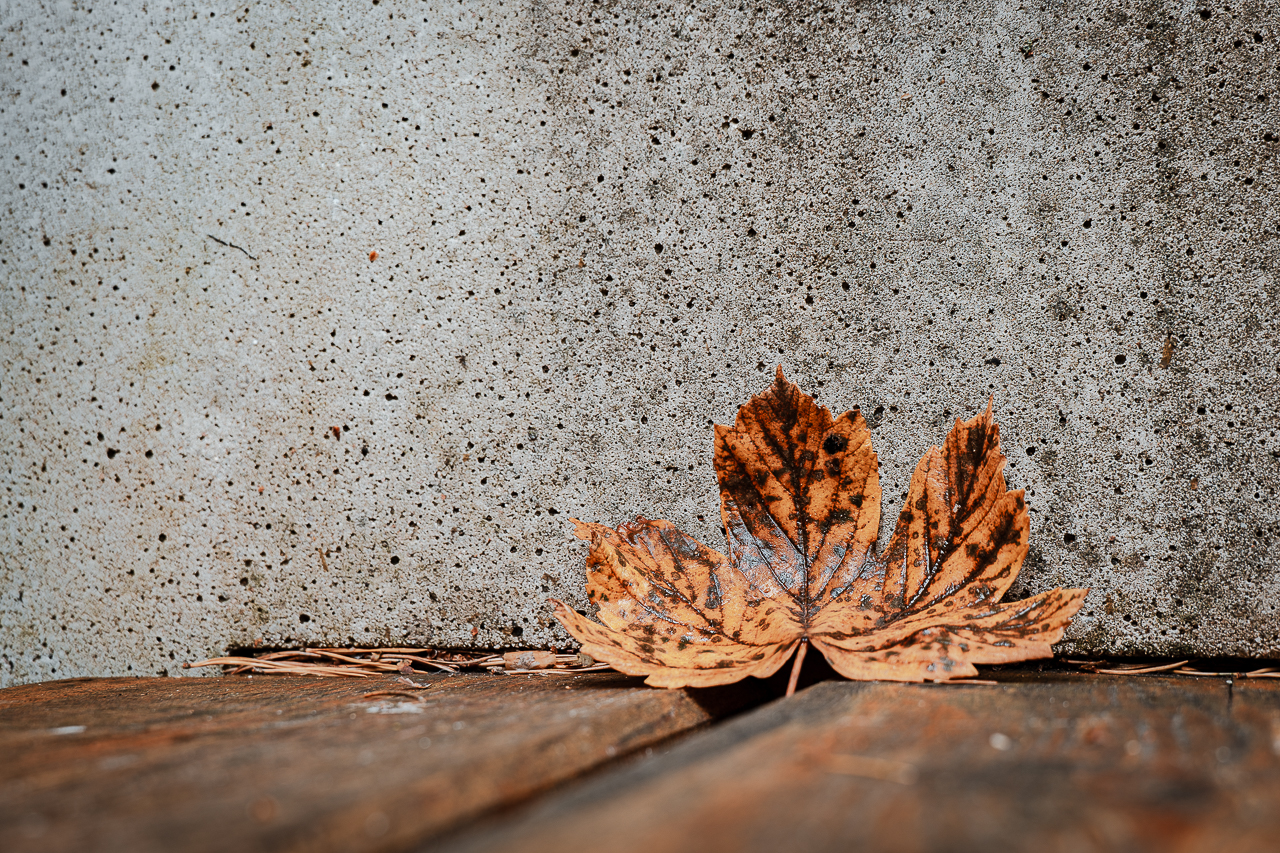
{"x":800,"y":501}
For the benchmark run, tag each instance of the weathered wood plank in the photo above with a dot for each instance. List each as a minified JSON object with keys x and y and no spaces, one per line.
{"x":1053,"y":763}
{"x":281,"y":763}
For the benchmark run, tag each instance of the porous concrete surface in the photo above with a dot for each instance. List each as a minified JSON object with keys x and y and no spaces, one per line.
{"x":598,"y":227}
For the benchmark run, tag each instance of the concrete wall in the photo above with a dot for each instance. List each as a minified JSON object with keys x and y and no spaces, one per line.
{"x":598,"y":227}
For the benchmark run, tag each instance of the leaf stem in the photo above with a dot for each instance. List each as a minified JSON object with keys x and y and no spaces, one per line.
{"x":795,"y":667}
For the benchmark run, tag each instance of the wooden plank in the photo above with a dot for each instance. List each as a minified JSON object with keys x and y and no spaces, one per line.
{"x":286,"y":763}
{"x":1041,"y":763}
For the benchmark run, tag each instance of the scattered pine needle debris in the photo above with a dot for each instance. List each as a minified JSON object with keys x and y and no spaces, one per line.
{"x":1182,"y":667}
{"x":362,"y":663}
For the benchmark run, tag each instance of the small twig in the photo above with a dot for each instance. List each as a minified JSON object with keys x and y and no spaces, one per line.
{"x":281,"y":667}
{"x":345,"y":658}
{"x":377,"y":662}
{"x":1088,"y":665}
{"x":232,"y":246}
{"x":426,"y":661}
{"x":1188,"y":671}
{"x":1140,"y":669}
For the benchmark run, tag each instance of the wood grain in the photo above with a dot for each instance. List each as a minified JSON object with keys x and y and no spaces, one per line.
{"x":301,"y":764}
{"x":1096,"y":763}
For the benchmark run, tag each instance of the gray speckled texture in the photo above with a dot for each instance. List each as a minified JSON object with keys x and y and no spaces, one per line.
{"x":598,"y":228}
